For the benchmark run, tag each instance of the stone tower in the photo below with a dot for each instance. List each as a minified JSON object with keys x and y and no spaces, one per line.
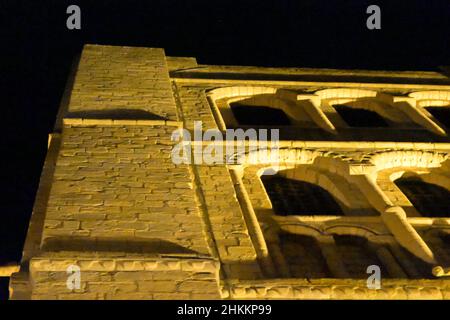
{"x":363,"y":182}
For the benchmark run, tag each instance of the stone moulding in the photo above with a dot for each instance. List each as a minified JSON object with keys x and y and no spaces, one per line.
{"x":8,"y":269}
{"x":335,"y":289}
{"x":124,"y":264}
{"x":113,"y":203}
{"x":120,"y":122}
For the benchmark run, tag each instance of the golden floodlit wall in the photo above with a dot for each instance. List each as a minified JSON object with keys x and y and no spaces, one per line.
{"x":112,"y":202}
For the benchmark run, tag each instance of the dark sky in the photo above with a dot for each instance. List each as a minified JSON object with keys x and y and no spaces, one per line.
{"x":37,"y":50}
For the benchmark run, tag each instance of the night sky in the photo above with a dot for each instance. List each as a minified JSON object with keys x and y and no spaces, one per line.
{"x":37,"y":51}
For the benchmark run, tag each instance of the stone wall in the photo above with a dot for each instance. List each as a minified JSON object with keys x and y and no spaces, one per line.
{"x":117,"y":186}
{"x":140,"y":278}
{"x":122,"y":82}
{"x":112,"y":202}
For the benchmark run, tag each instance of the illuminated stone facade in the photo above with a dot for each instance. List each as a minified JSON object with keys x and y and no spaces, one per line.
{"x":112,"y":202}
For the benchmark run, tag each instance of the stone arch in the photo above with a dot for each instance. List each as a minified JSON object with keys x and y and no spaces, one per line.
{"x":295,"y":250}
{"x":222,"y":98}
{"x":338,"y":163}
{"x":299,"y":197}
{"x":386,"y":181}
{"x":270,"y":100}
{"x":334,"y":162}
{"x":271,"y":170}
{"x":382,"y":108}
{"x":303,"y":256}
{"x":345,"y":93}
{"x":330,"y":171}
{"x":320,"y":178}
{"x":390,"y":165}
{"x":407,"y":158}
{"x":221,"y":109}
{"x":239,"y":91}
{"x":370,"y":100}
{"x":351,"y":230}
{"x":258,"y":96}
{"x":431,"y":98}
{"x":357,"y":253}
{"x":338,"y":184}
{"x":435,"y":105}
{"x":427,"y":175}
{"x":301,"y":229}
{"x":430,"y":199}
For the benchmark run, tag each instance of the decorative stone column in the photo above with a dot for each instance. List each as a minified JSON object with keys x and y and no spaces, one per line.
{"x":251,"y":220}
{"x":417,"y":115}
{"x":395,"y":219}
{"x":311,"y":104}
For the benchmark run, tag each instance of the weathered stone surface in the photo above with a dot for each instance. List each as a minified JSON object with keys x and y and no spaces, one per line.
{"x":112,"y":202}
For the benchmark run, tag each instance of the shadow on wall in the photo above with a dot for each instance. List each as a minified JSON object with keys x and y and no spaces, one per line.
{"x":118,"y":114}
{"x":147,"y":246}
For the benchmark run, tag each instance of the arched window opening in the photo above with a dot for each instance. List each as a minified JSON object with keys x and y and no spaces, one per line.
{"x":303,"y":256}
{"x":445,"y":247}
{"x":259,"y":115}
{"x":293,"y":197}
{"x":441,"y":113}
{"x":430,"y":200}
{"x":357,"y":117}
{"x":415,"y":267}
{"x":440,"y":245}
{"x":357,"y":255}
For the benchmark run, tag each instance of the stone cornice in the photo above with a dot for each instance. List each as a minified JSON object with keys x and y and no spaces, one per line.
{"x":124,"y":264}
{"x":120,"y":122}
{"x":336,"y":289}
